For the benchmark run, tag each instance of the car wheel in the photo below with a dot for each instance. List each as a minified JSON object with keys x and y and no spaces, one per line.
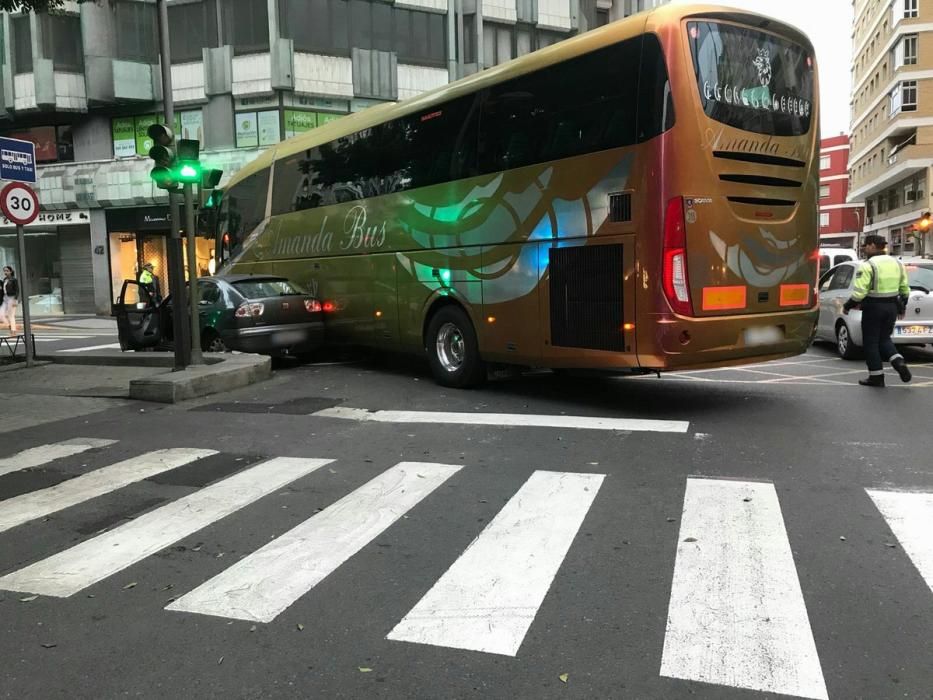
{"x":453,"y":351}
{"x":845,"y":346}
{"x":213,"y":343}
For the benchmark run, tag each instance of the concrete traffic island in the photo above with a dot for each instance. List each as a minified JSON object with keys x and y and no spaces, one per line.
{"x":222,"y":372}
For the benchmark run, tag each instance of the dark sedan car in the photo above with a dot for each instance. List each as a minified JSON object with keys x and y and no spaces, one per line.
{"x":250,"y":313}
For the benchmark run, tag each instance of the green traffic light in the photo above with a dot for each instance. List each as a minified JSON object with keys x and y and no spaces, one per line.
{"x":188,"y":173}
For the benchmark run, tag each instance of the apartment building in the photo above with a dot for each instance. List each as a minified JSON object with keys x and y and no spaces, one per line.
{"x":891,"y":148}
{"x":840,"y":220}
{"x":85,"y":84}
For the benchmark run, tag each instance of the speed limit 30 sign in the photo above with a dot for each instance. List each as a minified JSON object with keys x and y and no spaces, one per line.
{"x":19,"y":203}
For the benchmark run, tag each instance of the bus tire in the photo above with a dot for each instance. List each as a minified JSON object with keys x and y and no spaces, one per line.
{"x":452,"y":349}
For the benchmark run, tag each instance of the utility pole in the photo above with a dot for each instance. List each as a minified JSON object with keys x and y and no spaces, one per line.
{"x":176,"y":270}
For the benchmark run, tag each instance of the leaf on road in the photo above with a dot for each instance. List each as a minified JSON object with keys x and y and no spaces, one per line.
{"x":747,"y":499}
{"x":364,"y":669}
{"x":300,"y":626}
{"x":842,"y":538}
{"x":49,"y":646}
{"x":690,"y":539}
{"x":220,"y":660}
{"x":28,"y":599}
{"x":132,"y":584}
{"x":670,"y":520}
{"x":253,"y":628}
{"x":890,"y":544}
{"x":564,"y":677}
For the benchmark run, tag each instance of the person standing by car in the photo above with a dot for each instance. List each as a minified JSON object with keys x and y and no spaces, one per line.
{"x":10,"y":297}
{"x":150,"y":283}
{"x":882,"y":291}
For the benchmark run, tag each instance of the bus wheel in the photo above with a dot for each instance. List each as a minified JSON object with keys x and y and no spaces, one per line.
{"x":452,"y":349}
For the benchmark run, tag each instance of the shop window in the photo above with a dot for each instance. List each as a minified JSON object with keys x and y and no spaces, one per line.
{"x":257,"y":129}
{"x":61,"y":41}
{"x":192,"y":26}
{"x":22,"y":44}
{"x":137,"y":31}
{"x":246,"y":25}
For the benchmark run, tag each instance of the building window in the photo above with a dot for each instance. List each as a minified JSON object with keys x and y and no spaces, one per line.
{"x":910,"y":8}
{"x":906,"y":52}
{"x":824,"y":219}
{"x":904,"y":97}
{"x":137,"y":32}
{"x":316,"y":26}
{"x":53,"y":143}
{"x":824,"y":191}
{"x":869,"y":208}
{"x":910,"y":194}
{"x":255,"y":129}
{"x":22,"y":44}
{"x":61,"y":41}
{"x":246,"y":25}
{"x":825,"y":162}
{"x":498,"y":43}
{"x":893,"y":200}
{"x":191,"y":26}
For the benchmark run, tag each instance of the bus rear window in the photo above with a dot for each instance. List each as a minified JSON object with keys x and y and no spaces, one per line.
{"x":752,"y":80}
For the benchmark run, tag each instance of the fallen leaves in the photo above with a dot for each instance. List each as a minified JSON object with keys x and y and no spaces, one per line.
{"x":28,"y":599}
{"x":300,"y":627}
{"x":564,"y":677}
{"x":365,"y":669}
{"x":131,"y":584}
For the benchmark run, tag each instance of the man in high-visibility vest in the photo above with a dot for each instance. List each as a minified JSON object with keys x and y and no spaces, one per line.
{"x":881,"y":290}
{"x":149,"y":282}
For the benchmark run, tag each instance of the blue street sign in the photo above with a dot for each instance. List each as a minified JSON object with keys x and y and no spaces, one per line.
{"x":17,"y":160}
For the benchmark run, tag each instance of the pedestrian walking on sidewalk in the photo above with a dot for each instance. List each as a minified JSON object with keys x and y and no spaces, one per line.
{"x":882,"y":291}
{"x":10,"y":297}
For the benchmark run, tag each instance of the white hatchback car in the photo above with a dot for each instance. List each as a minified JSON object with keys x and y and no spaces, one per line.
{"x":846,"y":331}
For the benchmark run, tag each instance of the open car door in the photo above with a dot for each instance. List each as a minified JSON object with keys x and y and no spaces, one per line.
{"x":138,"y":318}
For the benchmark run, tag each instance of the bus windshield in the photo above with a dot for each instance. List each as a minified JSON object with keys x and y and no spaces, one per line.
{"x":752,"y":80}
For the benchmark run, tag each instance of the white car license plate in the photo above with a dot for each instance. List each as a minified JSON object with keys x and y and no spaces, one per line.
{"x":913,"y":330}
{"x":763,"y":335}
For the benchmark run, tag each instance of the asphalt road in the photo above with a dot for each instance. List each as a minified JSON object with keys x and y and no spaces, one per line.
{"x":760,"y":534}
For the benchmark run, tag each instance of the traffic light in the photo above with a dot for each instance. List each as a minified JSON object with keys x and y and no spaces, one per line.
{"x":163,"y":153}
{"x":188,"y":165}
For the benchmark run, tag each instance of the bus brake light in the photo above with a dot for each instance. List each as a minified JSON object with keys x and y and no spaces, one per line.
{"x":674,"y":265}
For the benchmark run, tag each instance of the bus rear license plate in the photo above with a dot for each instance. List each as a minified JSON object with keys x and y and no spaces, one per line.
{"x":763,"y":335}
{"x":913,"y":330}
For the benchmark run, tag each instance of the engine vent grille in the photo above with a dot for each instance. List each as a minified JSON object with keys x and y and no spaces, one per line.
{"x":586,"y":297}
{"x":620,"y":206}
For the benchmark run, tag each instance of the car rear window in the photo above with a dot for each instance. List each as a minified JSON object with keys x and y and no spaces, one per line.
{"x":920,"y":276}
{"x":263,"y":289}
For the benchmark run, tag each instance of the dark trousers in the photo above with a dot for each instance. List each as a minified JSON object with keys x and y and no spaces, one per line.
{"x":878,"y":318}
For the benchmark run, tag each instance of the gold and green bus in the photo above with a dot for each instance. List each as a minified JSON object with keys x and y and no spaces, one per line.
{"x":641,"y":197}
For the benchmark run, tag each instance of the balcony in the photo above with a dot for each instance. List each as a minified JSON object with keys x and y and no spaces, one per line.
{"x":905,"y":162}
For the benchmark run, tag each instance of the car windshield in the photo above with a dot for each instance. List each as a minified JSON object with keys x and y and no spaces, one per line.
{"x":920,"y":276}
{"x":263,"y":289}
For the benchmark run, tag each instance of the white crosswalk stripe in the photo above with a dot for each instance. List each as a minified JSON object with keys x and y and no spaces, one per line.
{"x":265,"y":583}
{"x":488,"y":599}
{"x":37,"y":456}
{"x":737,"y":615}
{"x":910,"y":517}
{"x":91,"y":561}
{"x":21,"y":509}
{"x":106,"y":346}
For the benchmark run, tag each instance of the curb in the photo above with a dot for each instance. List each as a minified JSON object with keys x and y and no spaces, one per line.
{"x":233,"y":372}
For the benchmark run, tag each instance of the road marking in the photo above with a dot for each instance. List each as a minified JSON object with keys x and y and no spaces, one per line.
{"x":43,"y":454}
{"x":737,"y":615}
{"x":910,"y":517}
{"x":108,"y":346}
{"x":75,"y":569}
{"x":506,"y":419}
{"x":21,"y":509}
{"x":488,"y":598}
{"x":266,"y":582}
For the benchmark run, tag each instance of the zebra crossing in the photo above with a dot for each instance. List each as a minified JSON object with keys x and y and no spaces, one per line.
{"x":736,"y":617}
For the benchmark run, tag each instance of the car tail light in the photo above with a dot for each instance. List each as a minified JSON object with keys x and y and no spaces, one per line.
{"x":674,"y":266}
{"x":328,"y":306}
{"x":312,"y":305}
{"x":247,"y":309}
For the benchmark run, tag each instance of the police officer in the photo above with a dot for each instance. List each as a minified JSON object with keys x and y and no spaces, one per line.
{"x":881,"y":290}
{"x":149,"y":282}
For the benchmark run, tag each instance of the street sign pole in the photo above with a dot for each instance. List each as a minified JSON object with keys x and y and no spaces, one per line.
{"x":24,"y":294}
{"x":196,"y":357}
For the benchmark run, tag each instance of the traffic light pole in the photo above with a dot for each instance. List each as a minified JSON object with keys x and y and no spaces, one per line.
{"x":176,"y":274}
{"x":196,"y":357}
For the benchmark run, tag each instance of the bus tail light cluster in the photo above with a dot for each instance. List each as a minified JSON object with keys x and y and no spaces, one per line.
{"x":247,"y":309}
{"x":674,"y":271}
{"x":312,"y":306}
